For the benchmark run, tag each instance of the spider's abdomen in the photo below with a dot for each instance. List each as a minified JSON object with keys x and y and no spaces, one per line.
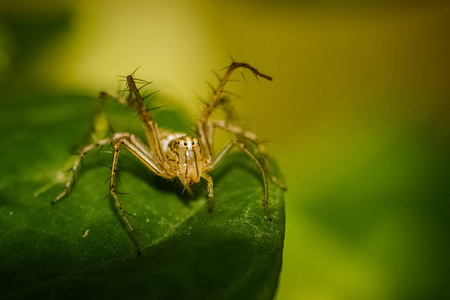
{"x":188,"y":157}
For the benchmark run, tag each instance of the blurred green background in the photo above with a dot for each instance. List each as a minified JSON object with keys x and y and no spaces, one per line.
{"x":357,"y":116}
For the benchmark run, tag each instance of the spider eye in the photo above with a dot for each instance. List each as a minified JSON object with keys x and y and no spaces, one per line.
{"x":185,"y":143}
{"x":192,"y":143}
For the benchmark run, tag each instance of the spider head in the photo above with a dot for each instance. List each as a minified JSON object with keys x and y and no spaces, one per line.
{"x":189,"y":159}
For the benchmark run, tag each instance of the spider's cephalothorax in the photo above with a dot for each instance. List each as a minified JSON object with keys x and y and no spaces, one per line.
{"x":186,"y":156}
{"x":177,"y":155}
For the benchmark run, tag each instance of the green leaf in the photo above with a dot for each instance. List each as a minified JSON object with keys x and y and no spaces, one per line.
{"x":80,"y":249}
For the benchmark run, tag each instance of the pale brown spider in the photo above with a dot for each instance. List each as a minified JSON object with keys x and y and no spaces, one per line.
{"x":172,"y":155}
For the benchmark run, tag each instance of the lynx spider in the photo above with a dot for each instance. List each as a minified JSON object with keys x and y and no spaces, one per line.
{"x":172,"y":155}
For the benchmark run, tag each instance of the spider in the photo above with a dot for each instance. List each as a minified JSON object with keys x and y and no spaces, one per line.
{"x":178,"y":155}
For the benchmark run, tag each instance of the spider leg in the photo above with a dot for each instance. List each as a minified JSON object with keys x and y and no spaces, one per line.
{"x":84,"y":151}
{"x":138,"y":149}
{"x":150,"y":127}
{"x":212,"y":166}
{"x":136,"y":101}
{"x":220,"y":158}
{"x":263,"y":175}
{"x":249,"y":136}
{"x":104,"y":95}
{"x":99,"y":123}
{"x":114,"y":194}
{"x":221,"y":155}
{"x":210,"y":191}
{"x":204,"y":125}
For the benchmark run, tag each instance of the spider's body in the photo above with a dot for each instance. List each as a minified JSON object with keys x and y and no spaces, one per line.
{"x":186,"y":155}
{"x":172,"y":155}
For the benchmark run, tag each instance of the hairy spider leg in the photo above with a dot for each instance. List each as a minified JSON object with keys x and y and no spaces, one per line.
{"x":215,"y":163}
{"x":136,"y":101}
{"x":83,"y":152}
{"x":263,"y":175}
{"x":241,"y":146}
{"x":150,"y":127}
{"x":204,"y":128}
{"x":114,"y":193}
{"x":138,"y":149}
{"x":264,"y":167}
{"x":135,"y":147}
{"x":221,"y":155}
{"x":210,"y":201}
{"x":254,"y":139}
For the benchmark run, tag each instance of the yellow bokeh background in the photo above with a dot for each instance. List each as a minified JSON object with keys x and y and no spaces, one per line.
{"x":357,"y":116}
